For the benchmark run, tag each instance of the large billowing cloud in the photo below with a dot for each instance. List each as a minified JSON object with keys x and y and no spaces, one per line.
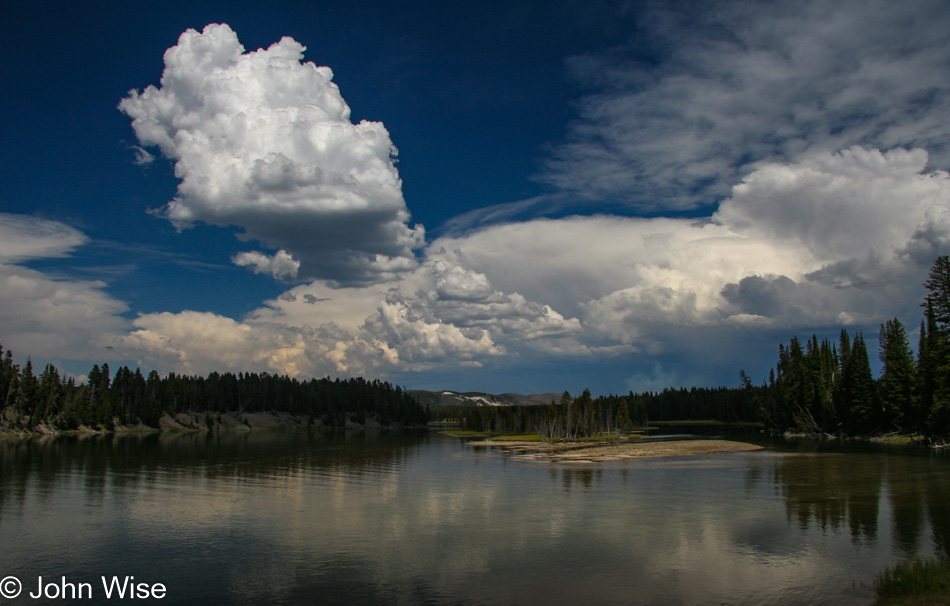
{"x":263,"y":141}
{"x":677,"y":117}
{"x":45,"y":315}
{"x":441,"y":315}
{"x":837,"y":239}
{"x":203,"y":342}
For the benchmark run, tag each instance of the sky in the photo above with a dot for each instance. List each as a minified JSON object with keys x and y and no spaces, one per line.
{"x":504,"y":197}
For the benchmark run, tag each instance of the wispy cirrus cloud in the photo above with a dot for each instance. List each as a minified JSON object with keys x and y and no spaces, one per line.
{"x":23,"y":237}
{"x":46,"y":315}
{"x":704,"y":90}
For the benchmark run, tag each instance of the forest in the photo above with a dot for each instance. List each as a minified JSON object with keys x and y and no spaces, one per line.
{"x":816,"y":388}
{"x":128,"y":398}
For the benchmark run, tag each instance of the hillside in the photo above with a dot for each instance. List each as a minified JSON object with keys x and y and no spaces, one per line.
{"x":446,"y":399}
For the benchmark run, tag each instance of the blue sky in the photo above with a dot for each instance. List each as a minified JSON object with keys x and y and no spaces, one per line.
{"x":510,"y":196}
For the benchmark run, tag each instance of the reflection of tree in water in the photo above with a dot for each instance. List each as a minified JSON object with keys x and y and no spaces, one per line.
{"x":125,"y":461}
{"x":919,"y":492}
{"x":584,"y":477}
{"x":833,"y":490}
{"x":906,"y":490}
{"x":937,"y":496}
{"x":844,"y":491}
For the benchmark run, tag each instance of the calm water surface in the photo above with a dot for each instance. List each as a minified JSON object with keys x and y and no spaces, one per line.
{"x":426,"y":519}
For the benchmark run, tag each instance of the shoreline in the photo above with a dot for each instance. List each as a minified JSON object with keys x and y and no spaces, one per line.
{"x":579,"y":452}
{"x":202,"y":422}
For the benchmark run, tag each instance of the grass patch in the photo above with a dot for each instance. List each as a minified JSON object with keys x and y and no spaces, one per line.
{"x":903,"y":440}
{"x":604,"y":437}
{"x":464,"y":433}
{"x":597,"y":438}
{"x":921,"y":582}
{"x":521,"y":437}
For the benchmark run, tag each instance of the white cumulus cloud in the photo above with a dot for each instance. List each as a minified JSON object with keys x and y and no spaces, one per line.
{"x":840,"y":206}
{"x":438,"y":316}
{"x":263,"y":141}
{"x":280,"y":265}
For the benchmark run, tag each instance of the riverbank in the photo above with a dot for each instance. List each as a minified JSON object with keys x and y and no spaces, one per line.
{"x":594,"y":452}
{"x":185,"y":422}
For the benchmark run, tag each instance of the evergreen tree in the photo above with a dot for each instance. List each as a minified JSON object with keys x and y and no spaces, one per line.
{"x":586,"y":413}
{"x":27,"y":392}
{"x":622,"y":419}
{"x":843,"y":382}
{"x":934,"y":363}
{"x":898,"y":376}
{"x":8,"y":372}
{"x":926,"y":373}
{"x":938,"y":286}
{"x":50,"y":397}
{"x":865,"y":410}
{"x":821,"y":366}
{"x":566,"y":405}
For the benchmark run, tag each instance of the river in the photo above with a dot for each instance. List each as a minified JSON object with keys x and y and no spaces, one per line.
{"x":422,"y":518}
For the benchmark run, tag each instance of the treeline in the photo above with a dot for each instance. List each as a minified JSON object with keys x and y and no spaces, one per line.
{"x":570,"y":417}
{"x":28,"y":401}
{"x":585,"y":416}
{"x":725,"y":404}
{"x":829,"y":388}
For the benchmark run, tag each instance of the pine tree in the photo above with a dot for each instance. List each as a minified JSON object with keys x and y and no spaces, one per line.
{"x":27,"y":391}
{"x":865,"y":410}
{"x":843,"y":382}
{"x":829,"y":369}
{"x":622,"y":418}
{"x":926,"y":373}
{"x":934,"y":364}
{"x":585,"y":413}
{"x":938,"y":285}
{"x":898,"y":377}
{"x":566,"y":404}
{"x":50,"y":398}
{"x":7,"y":372}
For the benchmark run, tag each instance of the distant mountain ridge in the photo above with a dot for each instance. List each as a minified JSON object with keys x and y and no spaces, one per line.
{"x":446,"y":398}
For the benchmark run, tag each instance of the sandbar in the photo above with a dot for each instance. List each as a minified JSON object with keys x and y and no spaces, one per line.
{"x":582,"y":452}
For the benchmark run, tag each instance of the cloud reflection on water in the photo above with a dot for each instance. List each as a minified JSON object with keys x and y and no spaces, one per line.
{"x":411,"y":520}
